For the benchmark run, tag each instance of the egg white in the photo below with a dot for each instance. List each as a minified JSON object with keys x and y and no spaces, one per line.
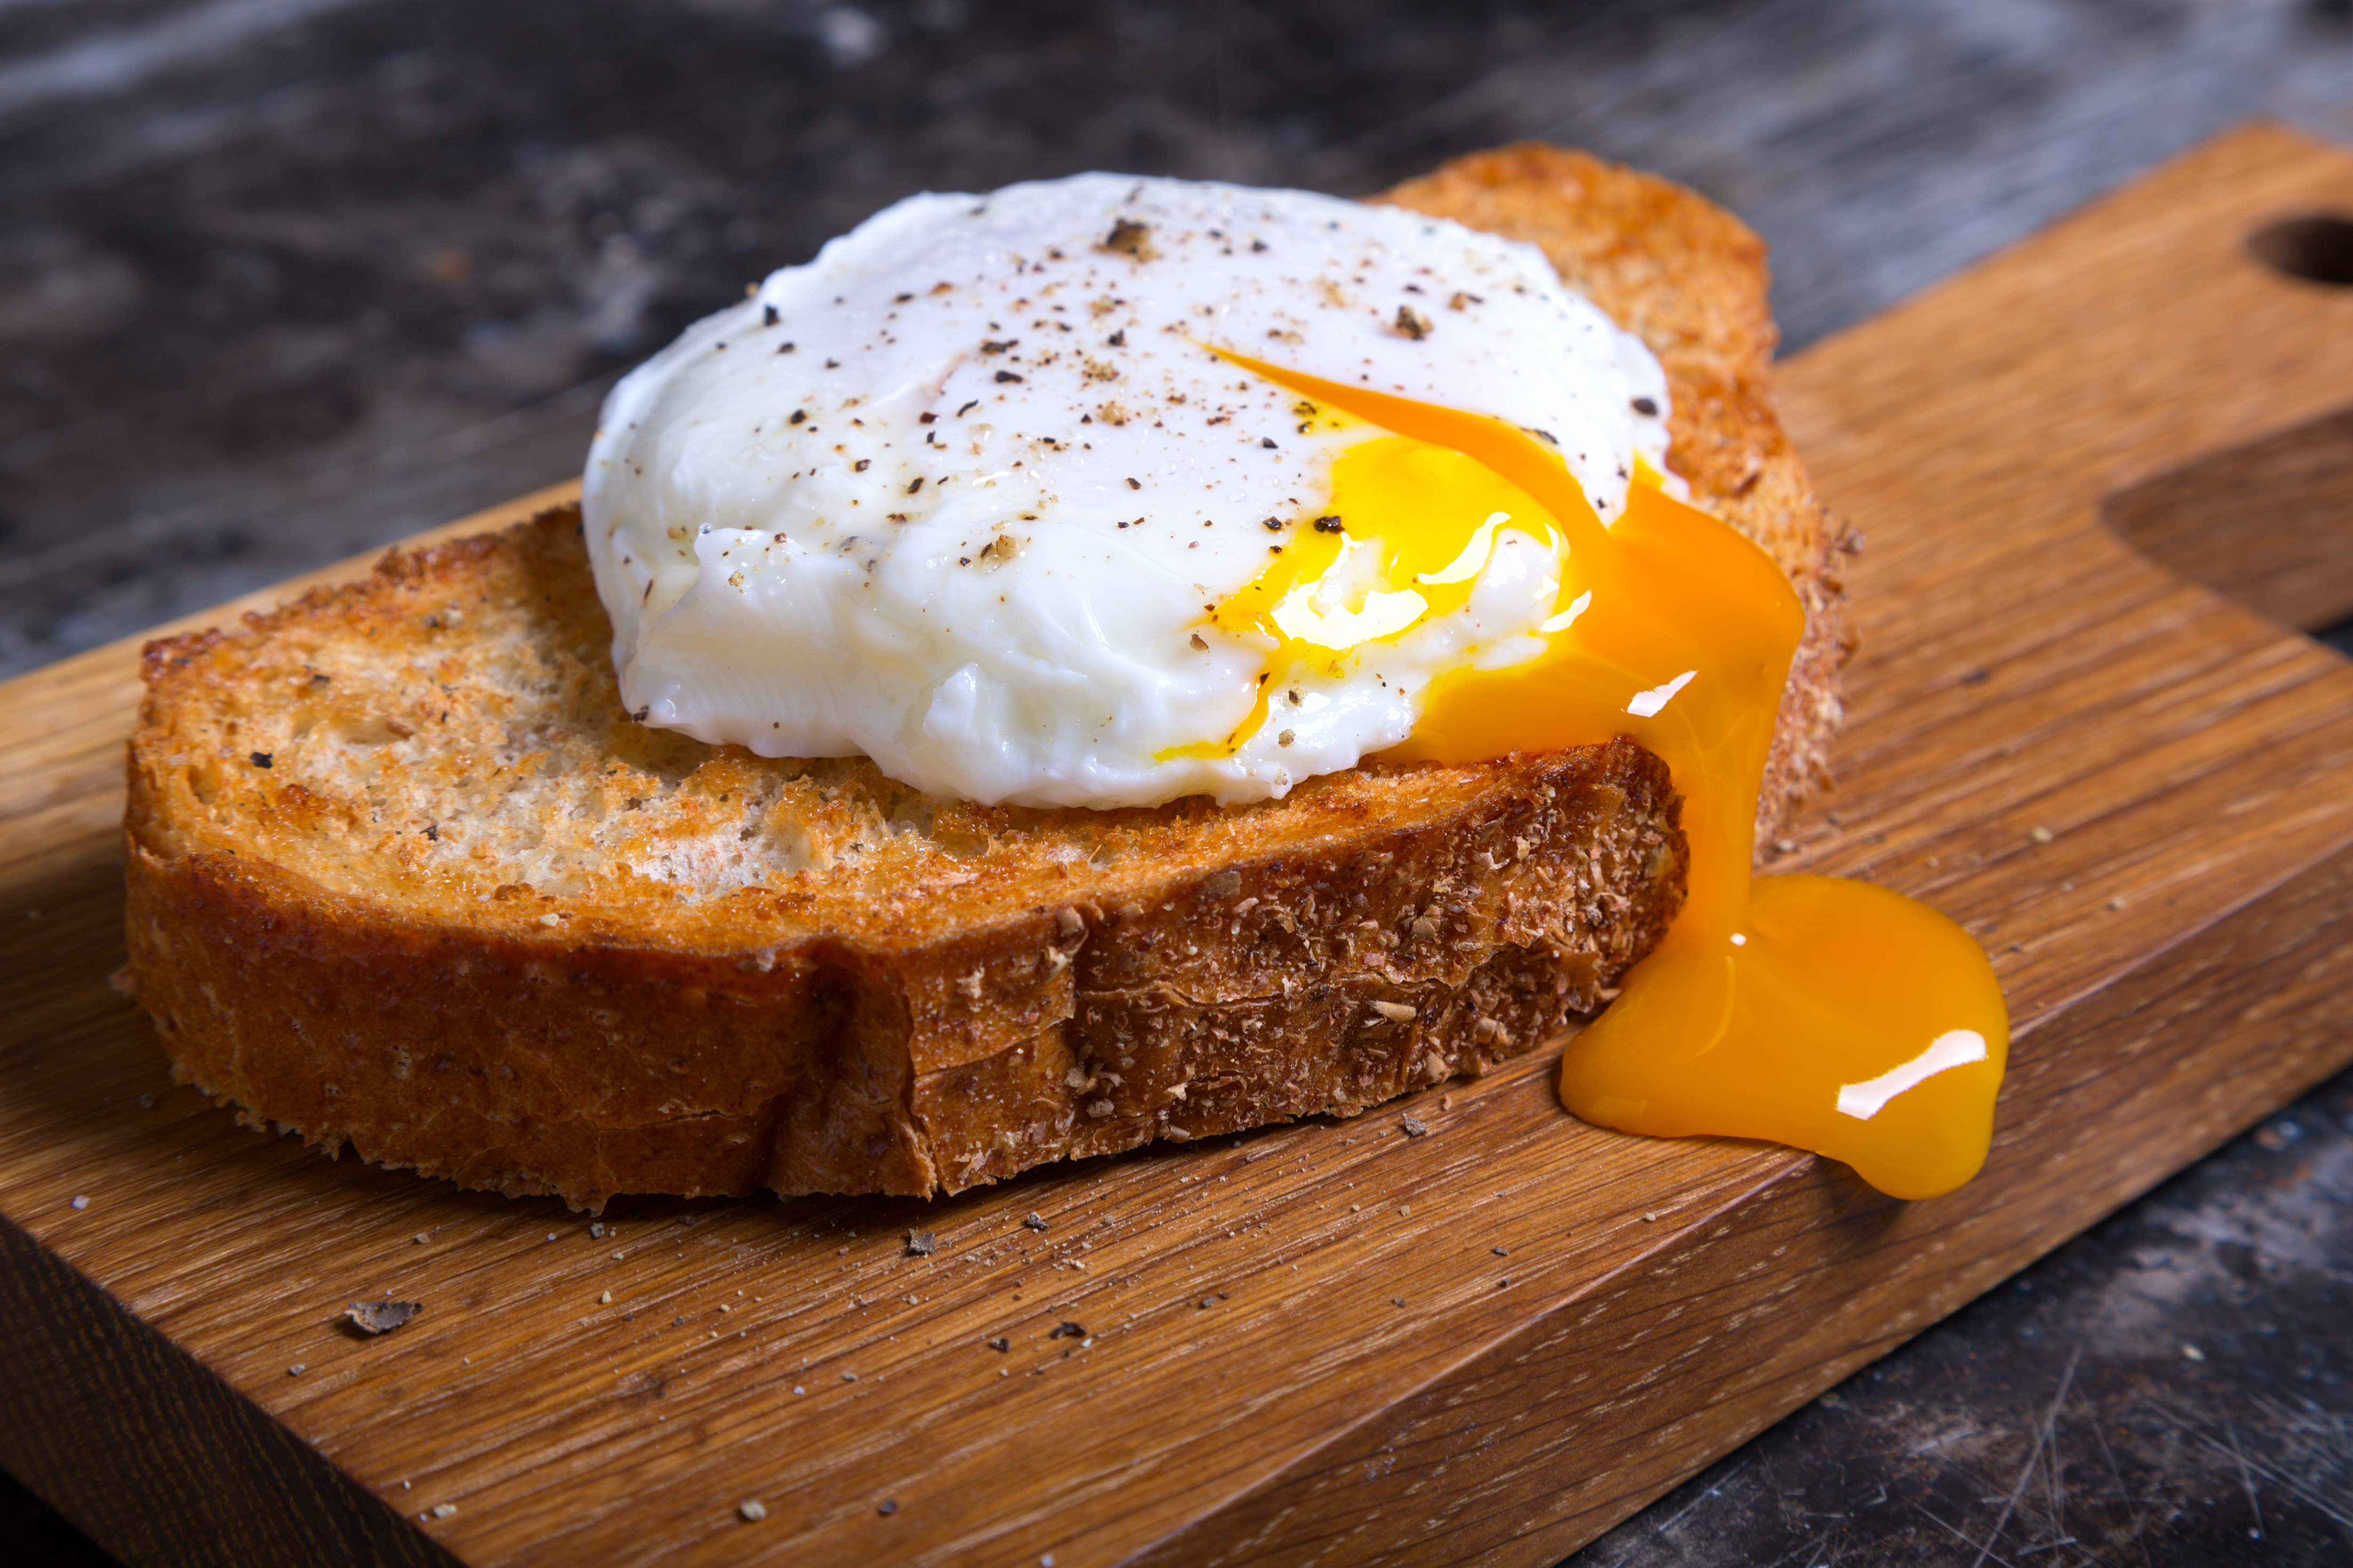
{"x":1020,"y":479}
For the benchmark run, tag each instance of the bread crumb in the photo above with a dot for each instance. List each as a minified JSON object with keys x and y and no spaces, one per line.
{"x":921,"y":1243}
{"x":606,"y":1300}
{"x":373,"y":1318}
{"x":79,"y":1203}
{"x":444,"y":1510}
{"x":2040,"y":835}
{"x":298,"y":1369}
{"x":1413,"y":1127}
{"x":752,"y":1508}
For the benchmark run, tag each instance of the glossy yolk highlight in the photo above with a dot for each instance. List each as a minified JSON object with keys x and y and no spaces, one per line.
{"x":1411,"y":525}
{"x":1814,"y":1011}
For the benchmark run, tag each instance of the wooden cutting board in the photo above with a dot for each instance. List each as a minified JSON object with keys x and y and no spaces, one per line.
{"x":1327,"y":1342}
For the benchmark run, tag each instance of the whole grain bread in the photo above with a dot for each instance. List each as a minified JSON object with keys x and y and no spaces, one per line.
{"x":404,"y":876}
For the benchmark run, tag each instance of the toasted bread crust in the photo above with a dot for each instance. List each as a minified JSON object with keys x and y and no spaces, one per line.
{"x":330,"y":937}
{"x":403,"y":874}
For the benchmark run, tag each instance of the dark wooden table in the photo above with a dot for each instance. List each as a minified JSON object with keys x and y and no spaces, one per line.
{"x":280,"y":279}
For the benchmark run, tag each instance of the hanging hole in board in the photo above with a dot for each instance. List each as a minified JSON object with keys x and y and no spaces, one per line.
{"x":2314,"y":246}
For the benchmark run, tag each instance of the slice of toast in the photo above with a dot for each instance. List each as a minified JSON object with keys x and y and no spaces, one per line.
{"x":403,"y":874}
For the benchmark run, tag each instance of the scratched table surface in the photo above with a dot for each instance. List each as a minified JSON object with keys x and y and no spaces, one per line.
{"x":282,"y":279}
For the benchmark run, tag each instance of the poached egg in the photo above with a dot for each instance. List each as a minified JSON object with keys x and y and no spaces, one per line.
{"x":989,"y":494}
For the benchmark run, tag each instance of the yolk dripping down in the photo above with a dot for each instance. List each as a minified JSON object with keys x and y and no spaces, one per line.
{"x":1832,"y":1014}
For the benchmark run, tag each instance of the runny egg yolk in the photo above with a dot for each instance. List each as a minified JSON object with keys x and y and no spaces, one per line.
{"x":1831,"y":1015}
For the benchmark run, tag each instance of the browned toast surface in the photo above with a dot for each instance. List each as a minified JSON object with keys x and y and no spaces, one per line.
{"x":404,"y":875}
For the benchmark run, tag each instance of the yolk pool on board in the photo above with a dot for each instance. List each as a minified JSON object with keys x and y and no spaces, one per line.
{"x":1827,"y":1014}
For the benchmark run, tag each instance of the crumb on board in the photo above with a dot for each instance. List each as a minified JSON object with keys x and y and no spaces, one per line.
{"x":1413,"y":1127}
{"x":298,"y":1369}
{"x":752,"y":1510}
{"x":374,"y":1318}
{"x":80,"y":1203}
{"x":1033,"y":1220}
{"x":443,"y":1509}
{"x":887,"y":1507}
{"x":1067,"y":1331}
{"x":921,"y":1243}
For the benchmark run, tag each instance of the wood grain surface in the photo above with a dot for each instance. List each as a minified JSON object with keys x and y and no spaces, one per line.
{"x":1328,"y":1343}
